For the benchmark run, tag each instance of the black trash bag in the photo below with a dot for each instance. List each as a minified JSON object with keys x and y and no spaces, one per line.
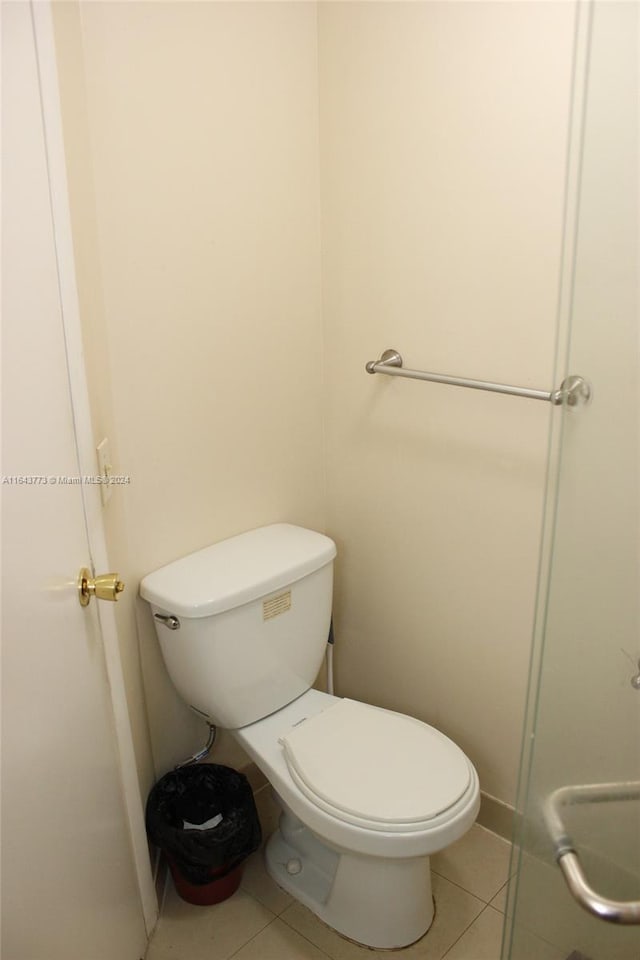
{"x":196,"y":794}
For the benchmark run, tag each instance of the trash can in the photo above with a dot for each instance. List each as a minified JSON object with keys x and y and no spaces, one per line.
{"x":204,"y":818}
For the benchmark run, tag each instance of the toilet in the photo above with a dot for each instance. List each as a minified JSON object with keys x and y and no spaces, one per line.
{"x":366,"y":794}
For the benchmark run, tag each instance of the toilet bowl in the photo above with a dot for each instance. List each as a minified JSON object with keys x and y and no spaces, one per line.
{"x":366,"y":794}
{"x":349,"y":823}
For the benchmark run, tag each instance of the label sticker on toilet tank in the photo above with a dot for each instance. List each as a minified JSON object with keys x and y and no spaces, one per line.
{"x":276,"y":605}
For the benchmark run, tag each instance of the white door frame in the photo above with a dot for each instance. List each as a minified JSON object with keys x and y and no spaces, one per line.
{"x":52,"y":120}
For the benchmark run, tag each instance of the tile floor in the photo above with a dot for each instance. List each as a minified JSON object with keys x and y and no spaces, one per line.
{"x":262,"y":922}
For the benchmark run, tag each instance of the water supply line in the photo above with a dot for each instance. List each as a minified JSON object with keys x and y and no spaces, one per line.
{"x":201,"y":754}
{"x":330,"y":643}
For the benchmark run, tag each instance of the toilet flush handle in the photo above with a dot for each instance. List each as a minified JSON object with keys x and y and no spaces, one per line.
{"x":169,"y":621}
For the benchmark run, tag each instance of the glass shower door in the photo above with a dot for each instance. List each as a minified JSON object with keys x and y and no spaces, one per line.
{"x":580,"y":776}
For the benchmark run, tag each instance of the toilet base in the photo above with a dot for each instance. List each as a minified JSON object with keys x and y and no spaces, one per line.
{"x":380,"y":903}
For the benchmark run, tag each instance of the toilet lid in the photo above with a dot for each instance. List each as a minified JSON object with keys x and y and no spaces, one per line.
{"x":375,"y":767}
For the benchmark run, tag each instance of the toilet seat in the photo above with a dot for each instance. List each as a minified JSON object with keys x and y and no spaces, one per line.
{"x":262,"y":741}
{"x":374,"y":768}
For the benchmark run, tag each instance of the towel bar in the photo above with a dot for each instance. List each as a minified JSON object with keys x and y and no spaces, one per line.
{"x":572,"y":391}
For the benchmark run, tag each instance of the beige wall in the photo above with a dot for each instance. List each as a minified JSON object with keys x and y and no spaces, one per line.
{"x":203,"y":142}
{"x":443,"y":135}
{"x":437,"y":156}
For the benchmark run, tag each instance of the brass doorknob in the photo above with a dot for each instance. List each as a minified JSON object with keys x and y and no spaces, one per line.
{"x":107,"y":586}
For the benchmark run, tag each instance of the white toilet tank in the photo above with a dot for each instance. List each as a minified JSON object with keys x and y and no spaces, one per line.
{"x":243,"y":623}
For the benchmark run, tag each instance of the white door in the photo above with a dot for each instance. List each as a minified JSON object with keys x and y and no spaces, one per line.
{"x":69,"y":886}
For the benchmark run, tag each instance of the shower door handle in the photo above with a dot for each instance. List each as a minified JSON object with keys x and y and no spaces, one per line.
{"x":613,"y":911}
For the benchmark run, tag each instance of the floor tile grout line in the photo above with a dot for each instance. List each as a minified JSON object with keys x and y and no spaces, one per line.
{"x":276,"y":913}
{"x":539,"y":936}
{"x":304,"y":937}
{"x":466,"y":930}
{"x":274,"y":916}
{"x":492,"y":904}
{"x":251,"y":939}
{"x":293,"y":929}
{"x":470,"y":892}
